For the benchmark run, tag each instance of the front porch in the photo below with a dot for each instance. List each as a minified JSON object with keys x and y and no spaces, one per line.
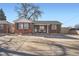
{"x":46,"y":28}
{"x":40,"y":28}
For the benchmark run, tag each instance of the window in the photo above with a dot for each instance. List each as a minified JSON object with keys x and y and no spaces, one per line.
{"x":41,"y":27}
{"x":54,"y":27}
{"x":35,"y":29}
{"x":26,"y":25}
{"x":23,"y":26}
{"x":20,"y":26}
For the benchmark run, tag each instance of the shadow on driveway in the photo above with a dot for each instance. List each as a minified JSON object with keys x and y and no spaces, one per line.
{"x":8,"y":52}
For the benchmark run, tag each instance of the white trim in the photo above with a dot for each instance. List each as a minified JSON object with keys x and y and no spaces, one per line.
{"x":41,"y":24}
{"x":47,"y":29}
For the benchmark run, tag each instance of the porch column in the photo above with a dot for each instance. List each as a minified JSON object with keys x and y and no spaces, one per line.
{"x":33,"y":29}
{"x":47,"y":28}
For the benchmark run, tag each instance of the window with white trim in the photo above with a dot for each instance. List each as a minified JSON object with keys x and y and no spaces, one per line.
{"x":41,"y":27}
{"x":23,"y":26}
{"x":36,"y":30}
{"x":26,"y":26}
{"x":20,"y":26}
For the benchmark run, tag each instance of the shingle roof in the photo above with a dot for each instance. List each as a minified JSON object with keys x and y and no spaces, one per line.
{"x":36,"y":22}
{"x":22,"y":20}
{"x":4,"y":22}
{"x":47,"y":22}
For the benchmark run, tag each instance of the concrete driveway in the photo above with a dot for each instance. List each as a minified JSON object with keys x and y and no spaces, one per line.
{"x":39,"y":45}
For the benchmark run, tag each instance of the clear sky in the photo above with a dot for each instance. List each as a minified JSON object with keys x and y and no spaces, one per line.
{"x":68,"y":14}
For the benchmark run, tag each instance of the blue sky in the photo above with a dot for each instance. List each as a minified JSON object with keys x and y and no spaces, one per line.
{"x":68,"y":14}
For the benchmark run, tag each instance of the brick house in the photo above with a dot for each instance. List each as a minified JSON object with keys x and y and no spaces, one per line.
{"x":4,"y":26}
{"x":29,"y":26}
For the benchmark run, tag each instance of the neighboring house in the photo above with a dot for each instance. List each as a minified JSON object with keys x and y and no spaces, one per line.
{"x":65,"y":30}
{"x":4,"y":26}
{"x":29,"y":26}
{"x":74,"y":31}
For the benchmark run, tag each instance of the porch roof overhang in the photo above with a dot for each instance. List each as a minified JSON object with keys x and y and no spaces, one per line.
{"x":46,"y":22}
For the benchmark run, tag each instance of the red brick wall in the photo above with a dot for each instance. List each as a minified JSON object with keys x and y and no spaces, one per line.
{"x":6,"y":28}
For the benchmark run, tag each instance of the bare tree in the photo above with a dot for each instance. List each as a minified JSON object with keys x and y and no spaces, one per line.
{"x":28,"y":11}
